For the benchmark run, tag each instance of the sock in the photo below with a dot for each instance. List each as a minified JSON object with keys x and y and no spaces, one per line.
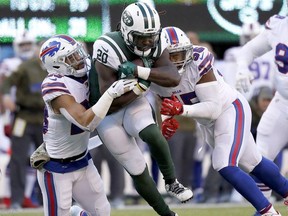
{"x":245,"y":185}
{"x":146,"y":188}
{"x":160,"y":151}
{"x":270,"y":175}
{"x":267,"y":192}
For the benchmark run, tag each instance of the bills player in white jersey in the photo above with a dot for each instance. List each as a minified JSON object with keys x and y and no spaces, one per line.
{"x":224,"y":117}
{"x":272,"y":130}
{"x":70,"y":173}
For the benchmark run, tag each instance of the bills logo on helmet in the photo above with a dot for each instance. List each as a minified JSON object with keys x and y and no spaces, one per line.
{"x":127,"y":18}
{"x":50,"y":50}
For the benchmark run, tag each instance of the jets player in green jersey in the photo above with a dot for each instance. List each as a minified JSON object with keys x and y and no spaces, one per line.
{"x":131,"y":116}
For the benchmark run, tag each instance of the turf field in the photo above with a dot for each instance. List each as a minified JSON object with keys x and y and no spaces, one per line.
{"x":182,"y":210}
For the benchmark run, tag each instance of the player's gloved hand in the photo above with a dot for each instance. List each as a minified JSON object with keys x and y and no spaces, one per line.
{"x":171,"y":107}
{"x":39,"y":157}
{"x":169,"y":127}
{"x":141,"y":86}
{"x":127,"y":70}
{"x":121,"y":87}
{"x":244,"y":80}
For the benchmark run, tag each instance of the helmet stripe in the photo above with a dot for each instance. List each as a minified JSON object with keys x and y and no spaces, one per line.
{"x":145,"y":16}
{"x":67,"y":38}
{"x":151,"y":15}
{"x":173,"y":37}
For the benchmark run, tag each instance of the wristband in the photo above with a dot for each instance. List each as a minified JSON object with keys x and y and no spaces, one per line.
{"x":137,"y":89}
{"x":143,"y":72}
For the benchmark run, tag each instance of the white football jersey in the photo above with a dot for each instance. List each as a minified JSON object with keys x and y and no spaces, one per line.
{"x":64,"y":139}
{"x":202,"y":62}
{"x":276,"y":30}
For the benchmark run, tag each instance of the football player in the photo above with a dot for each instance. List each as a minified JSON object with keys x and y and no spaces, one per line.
{"x":131,"y":115}
{"x":272,"y":129}
{"x":224,"y":117}
{"x":70,"y":172}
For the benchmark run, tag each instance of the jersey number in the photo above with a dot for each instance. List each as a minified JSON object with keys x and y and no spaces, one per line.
{"x":102,"y":56}
{"x":281,"y":58}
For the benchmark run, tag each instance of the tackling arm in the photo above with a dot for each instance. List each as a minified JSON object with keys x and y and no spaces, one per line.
{"x":207,"y":91}
{"x":106,"y":76}
{"x":210,"y":107}
{"x":164,"y":72}
{"x":89,"y":119}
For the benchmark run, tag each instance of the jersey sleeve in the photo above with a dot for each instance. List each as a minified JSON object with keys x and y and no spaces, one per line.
{"x":53,"y":86}
{"x":106,"y":51}
{"x":203,"y":59}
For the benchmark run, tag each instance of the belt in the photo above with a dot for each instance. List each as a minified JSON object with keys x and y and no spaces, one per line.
{"x":70,"y":159}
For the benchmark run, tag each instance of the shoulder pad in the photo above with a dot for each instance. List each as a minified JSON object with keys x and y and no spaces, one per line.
{"x":203,"y":59}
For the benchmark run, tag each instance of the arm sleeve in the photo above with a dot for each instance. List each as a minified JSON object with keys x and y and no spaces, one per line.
{"x":210,"y":106}
{"x":253,"y":49}
{"x":100,"y":110}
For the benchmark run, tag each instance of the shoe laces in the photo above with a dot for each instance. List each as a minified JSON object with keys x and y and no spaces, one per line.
{"x":176,"y":187}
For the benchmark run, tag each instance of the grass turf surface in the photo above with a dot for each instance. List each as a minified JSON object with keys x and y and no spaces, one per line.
{"x":182,"y":210}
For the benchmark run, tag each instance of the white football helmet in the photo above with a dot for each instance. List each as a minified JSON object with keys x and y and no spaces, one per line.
{"x":180,"y":47}
{"x":24,"y":45}
{"x":140,"y":28}
{"x":62,"y":54}
{"x":249,"y":31}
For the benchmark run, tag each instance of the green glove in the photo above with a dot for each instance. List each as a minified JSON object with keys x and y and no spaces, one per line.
{"x":127,"y":70}
{"x":143,"y":84}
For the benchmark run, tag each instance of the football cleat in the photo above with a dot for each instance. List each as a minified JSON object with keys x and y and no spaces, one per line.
{"x":178,"y":191}
{"x":272,"y":214}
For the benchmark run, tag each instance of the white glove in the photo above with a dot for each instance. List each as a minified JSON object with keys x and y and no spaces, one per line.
{"x":243,"y":81}
{"x":121,"y":86}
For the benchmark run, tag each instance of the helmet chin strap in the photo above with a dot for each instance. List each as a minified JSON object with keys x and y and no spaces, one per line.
{"x":82,"y":72}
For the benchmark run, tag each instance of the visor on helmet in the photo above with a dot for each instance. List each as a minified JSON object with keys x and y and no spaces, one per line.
{"x":145,"y":41}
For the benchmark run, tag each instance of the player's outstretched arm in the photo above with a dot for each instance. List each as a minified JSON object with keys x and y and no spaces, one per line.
{"x":89,"y":119}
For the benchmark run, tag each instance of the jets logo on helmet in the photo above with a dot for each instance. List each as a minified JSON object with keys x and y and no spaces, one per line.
{"x":50,"y":50}
{"x":140,"y":28}
{"x":127,"y":18}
